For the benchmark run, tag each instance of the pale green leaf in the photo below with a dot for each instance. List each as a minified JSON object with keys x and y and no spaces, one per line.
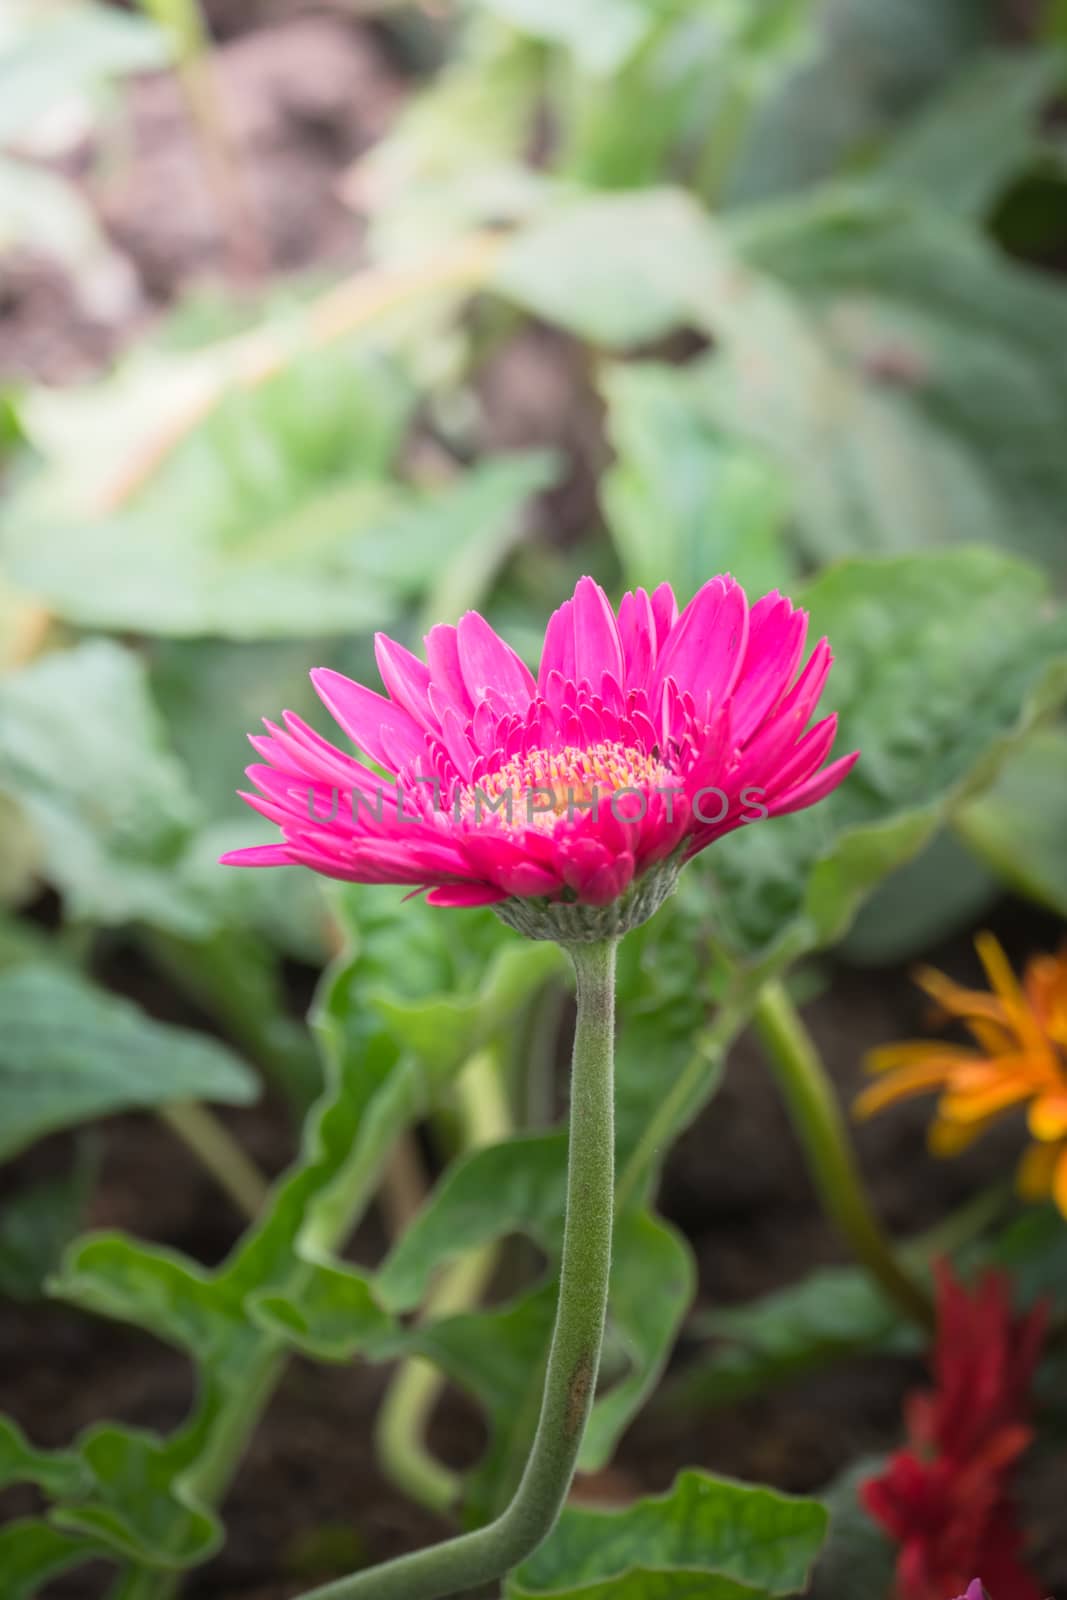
{"x":69,"y":1052}
{"x":1018,"y":827}
{"x":53,"y":53}
{"x":83,"y":752}
{"x":682,"y":500}
{"x":617,"y":270}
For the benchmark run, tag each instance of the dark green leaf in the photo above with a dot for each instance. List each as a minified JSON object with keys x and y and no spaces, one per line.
{"x":32,"y":1552}
{"x":859,"y":1556}
{"x":978,"y":134}
{"x":833,"y":1313}
{"x":37,"y":1222}
{"x":942,"y":891}
{"x":755,"y":1540}
{"x":57,"y":1472}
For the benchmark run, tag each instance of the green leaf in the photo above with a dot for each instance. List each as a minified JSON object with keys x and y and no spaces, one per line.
{"x":114,"y":1488}
{"x":282,"y":1283}
{"x":642,"y":1327}
{"x":871,"y":64}
{"x":616,"y":270}
{"x":900,"y":369}
{"x":964,"y":148}
{"x":757,"y":1542}
{"x":69,"y":1052}
{"x":1018,"y":827}
{"x":57,"y":1472}
{"x":859,"y":1556}
{"x":682,"y":499}
{"x":941,"y":891}
{"x":519,"y":1185}
{"x":83,"y":752}
{"x":291,"y":523}
{"x":942,"y":664}
{"x":32,"y":1552}
{"x":55,"y":53}
{"x":498,"y":1355}
{"x":600,"y":34}
{"x":136,"y":1509}
{"x":832,"y":1313}
{"x":37,"y":1222}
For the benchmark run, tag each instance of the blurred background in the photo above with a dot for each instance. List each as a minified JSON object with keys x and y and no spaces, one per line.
{"x":325,"y":316}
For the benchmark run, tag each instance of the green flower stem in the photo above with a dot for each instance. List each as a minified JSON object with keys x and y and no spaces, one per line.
{"x":416,"y":1388}
{"x":475,"y":1558}
{"x":220,"y":1154}
{"x":805,"y":1086}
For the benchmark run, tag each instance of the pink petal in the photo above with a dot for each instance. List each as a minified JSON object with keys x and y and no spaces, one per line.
{"x":597,"y":648}
{"x":369,"y":719}
{"x":775,"y":646}
{"x":665,"y":613}
{"x":816,"y":788}
{"x":490,"y":668}
{"x":637,"y":632}
{"x":465,"y":894}
{"x":442,"y":658}
{"x":706,"y":646}
{"x":258,"y":855}
{"x":406,"y":678}
{"x":557,"y":653}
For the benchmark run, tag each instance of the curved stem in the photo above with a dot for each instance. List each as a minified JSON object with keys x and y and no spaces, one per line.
{"x":574,"y":1355}
{"x":220,"y":1154}
{"x":813,"y":1106}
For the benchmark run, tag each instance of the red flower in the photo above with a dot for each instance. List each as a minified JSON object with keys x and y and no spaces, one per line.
{"x":947,"y":1498}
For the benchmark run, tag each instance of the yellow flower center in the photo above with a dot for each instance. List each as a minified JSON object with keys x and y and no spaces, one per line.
{"x":537,"y":789}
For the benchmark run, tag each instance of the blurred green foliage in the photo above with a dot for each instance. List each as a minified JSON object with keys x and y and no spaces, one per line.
{"x":782,"y":251}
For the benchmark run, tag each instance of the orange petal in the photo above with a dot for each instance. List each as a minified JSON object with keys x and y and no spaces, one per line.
{"x":1007,"y":986}
{"x":1047,"y":1117}
{"x":919,"y":1052}
{"x":969,"y":1105}
{"x":974,"y":1076}
{"x":1059,"y":1184}
{"x":898,"y":1086}
{"x":954,"y":999}
{"x":992,"y":1038}
{"x":1037,"y":1167}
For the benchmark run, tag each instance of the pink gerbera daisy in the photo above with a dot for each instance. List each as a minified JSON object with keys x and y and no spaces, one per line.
{"x":568,"y":801}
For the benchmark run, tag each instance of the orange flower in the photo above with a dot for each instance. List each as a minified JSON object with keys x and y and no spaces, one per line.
{"x":1019,"y":1057}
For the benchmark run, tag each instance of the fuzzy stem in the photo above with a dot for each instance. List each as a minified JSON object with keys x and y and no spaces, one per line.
{"x":806,"y":1089}
{"x":475,"y":1558}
